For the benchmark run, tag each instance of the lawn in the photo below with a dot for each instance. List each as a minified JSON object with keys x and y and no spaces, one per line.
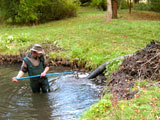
{"x":86,"y":38}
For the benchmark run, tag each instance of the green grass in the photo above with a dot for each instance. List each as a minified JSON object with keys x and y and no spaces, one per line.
{"x":145,"y":106}
{"x":86,"y":38}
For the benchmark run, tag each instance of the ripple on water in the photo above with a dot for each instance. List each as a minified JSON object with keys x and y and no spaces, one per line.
{"x":70,"y":96}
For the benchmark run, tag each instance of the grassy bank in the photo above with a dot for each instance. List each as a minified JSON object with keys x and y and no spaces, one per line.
{"x":145,"y":106}
{"x":86,"y":38}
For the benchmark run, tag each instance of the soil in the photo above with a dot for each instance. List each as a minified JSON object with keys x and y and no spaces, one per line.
{"x":144,"y":64}
{"x":10,"y":59}
{"x":14,"y":59}
{"x":139,"y":15}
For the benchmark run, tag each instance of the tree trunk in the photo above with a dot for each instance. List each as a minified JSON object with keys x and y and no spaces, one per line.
{"x":129,"y":6}
{"x":120,"y":4}
{"x":114,"y":8}
{"x":109,"y":11}
{"x":133,"y":4}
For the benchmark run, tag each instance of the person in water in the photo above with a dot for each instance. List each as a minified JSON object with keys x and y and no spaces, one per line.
{"x":35,"y":63}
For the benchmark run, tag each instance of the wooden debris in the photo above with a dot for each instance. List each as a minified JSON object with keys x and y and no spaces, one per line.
{"x":144,"y":64}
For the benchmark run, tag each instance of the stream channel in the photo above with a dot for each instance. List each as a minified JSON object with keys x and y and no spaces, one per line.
{"x":70,"y":96}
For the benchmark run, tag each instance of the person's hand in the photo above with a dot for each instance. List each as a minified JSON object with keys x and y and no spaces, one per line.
{"x":43,"y":74}
{"x":14,"y":79}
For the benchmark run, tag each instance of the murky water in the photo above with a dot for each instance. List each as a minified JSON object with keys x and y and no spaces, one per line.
{"x":69,"y":97}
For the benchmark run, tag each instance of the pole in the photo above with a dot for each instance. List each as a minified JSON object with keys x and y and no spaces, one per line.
{"x":50,"y":74}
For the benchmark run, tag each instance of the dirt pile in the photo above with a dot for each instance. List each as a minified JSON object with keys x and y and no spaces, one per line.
{"x":144,"y":64}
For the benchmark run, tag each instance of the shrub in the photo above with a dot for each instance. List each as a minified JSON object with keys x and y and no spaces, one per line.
{"x":123,"y":4}
{"x":100,"y":4}
{"x":29,"y":11}
{"x":56,"y":10}
{"x":142,"y":6}
{"x":8,"y":9}
{"x":155,"y":5}
{"x":84,"y":1}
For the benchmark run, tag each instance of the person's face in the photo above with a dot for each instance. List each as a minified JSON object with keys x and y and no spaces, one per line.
{"x":36,"y":54}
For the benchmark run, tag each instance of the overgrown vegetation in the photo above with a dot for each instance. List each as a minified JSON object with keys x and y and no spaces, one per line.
{"x":150,"y":5}
{"x":33,"y":12}
{"x":112,"y":66}
{"x":100,"y":4}
{"x":155,"y":5}
{"x":145,"y":105}
{"x":11,"y":42}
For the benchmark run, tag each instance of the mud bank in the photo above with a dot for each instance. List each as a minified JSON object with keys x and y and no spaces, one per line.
{"x":10,"y":59}
{"x":14,"y":59}
{"x":48,"y":47}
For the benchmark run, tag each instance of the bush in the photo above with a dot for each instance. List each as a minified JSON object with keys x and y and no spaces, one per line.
{"x":8,"y":9}
{"x":100,"y":4}
{"x":56,"y":10}
{"x":123,"y":4}
{"x":155,"y":5}
{"x":143,"y":6}
{"x":85,"y":1}
{"x":29,"y":11}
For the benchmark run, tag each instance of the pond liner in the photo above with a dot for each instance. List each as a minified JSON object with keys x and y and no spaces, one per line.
{"x":102,"y":67}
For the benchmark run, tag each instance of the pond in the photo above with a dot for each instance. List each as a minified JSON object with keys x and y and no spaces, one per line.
{"x":70,"y":96}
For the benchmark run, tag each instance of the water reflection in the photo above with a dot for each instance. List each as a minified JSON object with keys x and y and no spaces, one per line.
{"x":40,"y":105}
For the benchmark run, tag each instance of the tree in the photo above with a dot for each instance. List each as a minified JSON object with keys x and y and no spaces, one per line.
{"x":114,"y":9}
{"x":109,"y":11}
{"x":129,"y":6}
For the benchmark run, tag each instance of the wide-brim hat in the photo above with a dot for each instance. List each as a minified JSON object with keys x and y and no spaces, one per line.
{"x":37,"y":48}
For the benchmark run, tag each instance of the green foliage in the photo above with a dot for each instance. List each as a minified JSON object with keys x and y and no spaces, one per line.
{"x":124,"y":4}
{"x":21,"y":39}
{"x":141,"y":83}
{"x":112,"y":66}
{"x":100,"y":4}
{"x":143,"y":6}
{"x":155,"y":5}
{"x":99,"y":109}
{"x":10,"y":42}
{"x":57,"y":10}
{"x":9,"y":9}
{"x":29,"y":11}
{"x":152,"y":5}
{"x":85,"y":2}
